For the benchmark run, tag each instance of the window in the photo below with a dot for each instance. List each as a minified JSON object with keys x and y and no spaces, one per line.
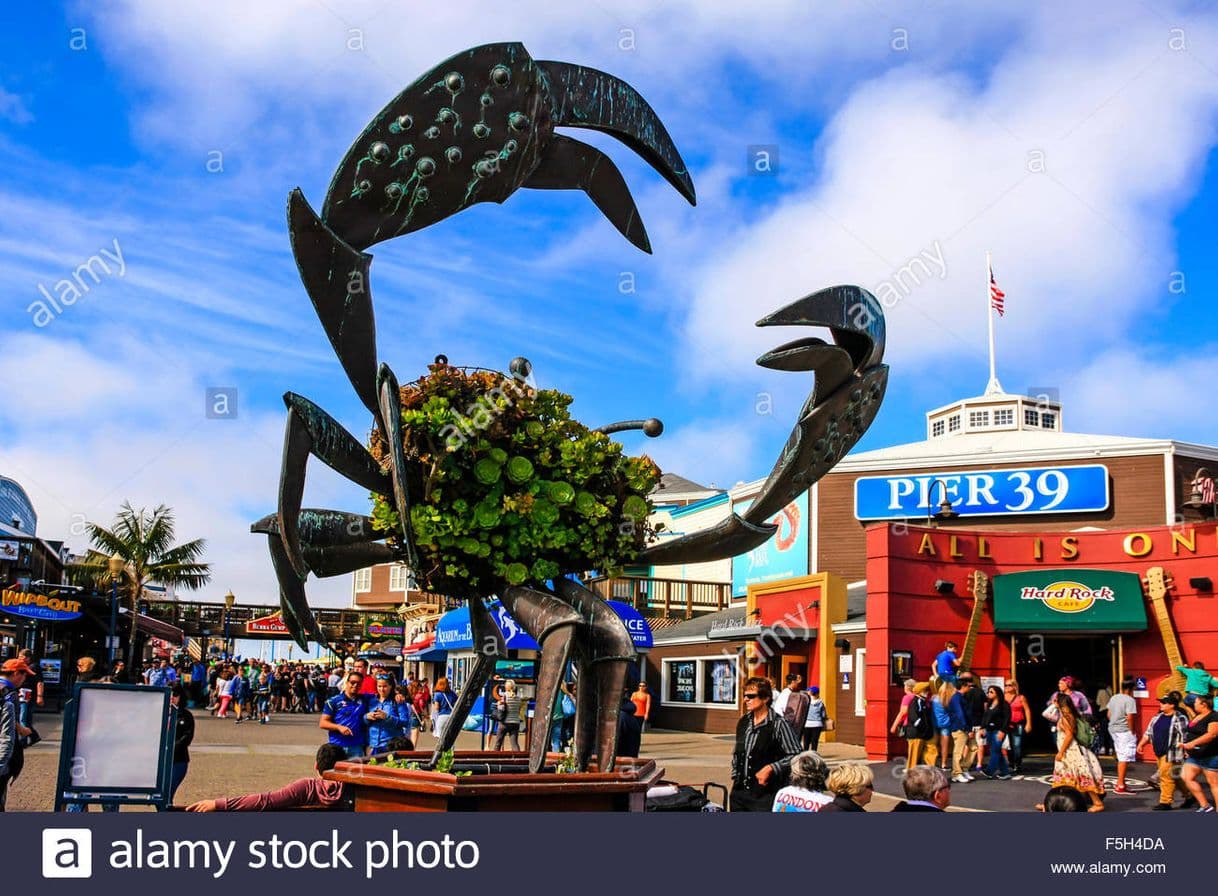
{"x":363,"y":579}
{"x":399,"y":578}
{"x":1048,"y":421}
{"x":937,"y":428}
{"x":860,"y":686}
{"x":953,"y":423}
{"x":978,"y":418}
{"x":1004,"y":417}
{"x":701,"y":681}
{"x":1030,"y":417}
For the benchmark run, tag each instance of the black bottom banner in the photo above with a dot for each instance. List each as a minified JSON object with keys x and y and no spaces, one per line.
{"x":314,"y":852}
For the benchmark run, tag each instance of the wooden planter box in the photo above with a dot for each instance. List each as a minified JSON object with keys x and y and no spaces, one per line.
{"x":500,"y":783}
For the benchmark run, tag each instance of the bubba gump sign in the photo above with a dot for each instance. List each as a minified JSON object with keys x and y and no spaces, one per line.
{"x":39,"y":606}
{"x":267,"y":625}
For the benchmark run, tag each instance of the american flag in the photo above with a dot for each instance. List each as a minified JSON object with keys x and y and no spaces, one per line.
{"x":996,"y":295}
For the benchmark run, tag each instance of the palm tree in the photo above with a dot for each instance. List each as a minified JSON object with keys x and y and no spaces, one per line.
{"x":145,"y":543}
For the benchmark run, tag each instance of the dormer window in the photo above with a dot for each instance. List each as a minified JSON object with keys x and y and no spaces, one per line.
{"x":1004,"y":417}
{"x":937,"y":428}
{"x":953,"y":423}
{"x":1031,"y":417}
{"x":978,"y":419}
{"x":1048,"y":421}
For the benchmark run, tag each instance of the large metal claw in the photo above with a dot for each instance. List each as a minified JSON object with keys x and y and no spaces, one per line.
{"x":479,"y":126}
{"x":583,"y":97}
{"x":850,"y":384}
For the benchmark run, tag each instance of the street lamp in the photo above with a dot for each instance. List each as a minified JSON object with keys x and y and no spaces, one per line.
{"x":945,"y":511}
{"x":116,"y":564}
{"x":229,"y":600}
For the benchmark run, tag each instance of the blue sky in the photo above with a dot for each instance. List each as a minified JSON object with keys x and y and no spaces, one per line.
{"x":1080,"y":152}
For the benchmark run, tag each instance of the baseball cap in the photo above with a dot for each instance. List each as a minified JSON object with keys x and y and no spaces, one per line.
{"x":814,"y":689}
{"x":17,"y":665}
{"x":1169,"y":698}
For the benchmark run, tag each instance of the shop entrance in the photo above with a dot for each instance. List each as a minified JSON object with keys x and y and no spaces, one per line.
{"x":1040,"y":661}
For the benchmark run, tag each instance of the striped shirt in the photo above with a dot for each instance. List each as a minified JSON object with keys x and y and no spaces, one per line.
{"x":783,"y":740}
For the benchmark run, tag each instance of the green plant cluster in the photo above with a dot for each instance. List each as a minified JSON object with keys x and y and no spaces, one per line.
{"x":507,"y":489}
{"x":444,"y":764}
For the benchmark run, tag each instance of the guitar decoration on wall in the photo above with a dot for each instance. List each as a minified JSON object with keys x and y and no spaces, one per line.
{"x":979,"y":583}
{"x":1157,"y":584}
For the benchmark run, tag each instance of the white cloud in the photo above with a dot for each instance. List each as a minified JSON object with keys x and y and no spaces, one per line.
{"x":1124,"y":125}
{"x":1144,"y":393}
{"x":13,"y":108}
{"x":127,"y":426}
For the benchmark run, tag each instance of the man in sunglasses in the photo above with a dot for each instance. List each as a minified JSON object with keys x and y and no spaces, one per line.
{"x":765,"y":745}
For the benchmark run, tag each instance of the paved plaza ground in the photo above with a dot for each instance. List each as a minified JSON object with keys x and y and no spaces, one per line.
{"x":229,"y":759}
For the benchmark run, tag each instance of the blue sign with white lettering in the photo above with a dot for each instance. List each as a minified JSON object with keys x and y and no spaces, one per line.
{"x":1013,"y":492}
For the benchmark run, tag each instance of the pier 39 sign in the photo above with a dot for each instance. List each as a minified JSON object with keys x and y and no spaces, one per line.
{"x":1011,"y":492}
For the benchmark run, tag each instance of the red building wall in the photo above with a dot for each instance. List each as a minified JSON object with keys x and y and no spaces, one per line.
{"x":904,"y":612}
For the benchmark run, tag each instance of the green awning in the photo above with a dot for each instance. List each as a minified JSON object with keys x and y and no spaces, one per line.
{"x":1069,"y":600}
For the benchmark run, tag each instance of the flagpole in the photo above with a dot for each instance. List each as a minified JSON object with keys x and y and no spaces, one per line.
{"x":993,"y":387}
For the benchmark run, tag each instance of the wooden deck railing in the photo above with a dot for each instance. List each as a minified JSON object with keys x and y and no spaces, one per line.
{"x":665,"y":597}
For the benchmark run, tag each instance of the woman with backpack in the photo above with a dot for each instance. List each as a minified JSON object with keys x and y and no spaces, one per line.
{"x":1075,"y":765}
{"x":920,"y":728}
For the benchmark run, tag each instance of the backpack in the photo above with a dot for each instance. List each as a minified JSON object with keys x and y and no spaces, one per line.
{"x":1084,"y":733}
{"x":921,"y":720}
{"x":796,"y":710}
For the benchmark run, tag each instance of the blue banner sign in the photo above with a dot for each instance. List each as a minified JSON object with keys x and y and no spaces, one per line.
{"x":784,"y":556}
{"x":1013,"y":492}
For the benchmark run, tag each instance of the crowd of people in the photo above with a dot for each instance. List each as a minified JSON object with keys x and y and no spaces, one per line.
{"x":957,"y":732}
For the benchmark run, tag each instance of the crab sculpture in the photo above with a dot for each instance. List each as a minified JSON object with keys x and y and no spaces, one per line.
{"x":476,"y":128}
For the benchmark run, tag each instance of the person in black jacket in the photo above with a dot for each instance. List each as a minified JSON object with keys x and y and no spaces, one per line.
{"x":927,"y":789}
{"x":629,"y":730}
{"x":974,"y":708}
{"x":183,"y":737}
{"x":765,"y":745}
{"x":995,"y":722}
{"x":852,"y":785}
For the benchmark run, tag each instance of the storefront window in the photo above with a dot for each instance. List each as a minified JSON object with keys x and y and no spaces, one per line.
{"x":720,"y":678}
{"x":682,"y":682}
{"x":701,"y":681}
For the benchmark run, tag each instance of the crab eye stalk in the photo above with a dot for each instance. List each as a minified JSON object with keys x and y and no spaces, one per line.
{"x":651,"y":427}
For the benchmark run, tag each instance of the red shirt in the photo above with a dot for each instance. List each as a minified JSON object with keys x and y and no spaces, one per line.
{"x":642,"y":704}
{"x":302,"y":792}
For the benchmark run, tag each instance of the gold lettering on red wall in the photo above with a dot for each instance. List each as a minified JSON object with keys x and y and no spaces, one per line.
{"x":927,"y":547}
{"x":1143,"y":542}
{"x":1038,"y":549}
{"x":1187,"y":539}
{"x":983,"y":549}
{"x":953,"y":547}
{"x":1069,"y":547}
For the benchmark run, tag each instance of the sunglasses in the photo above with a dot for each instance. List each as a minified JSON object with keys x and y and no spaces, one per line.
{"x":750,"y":696}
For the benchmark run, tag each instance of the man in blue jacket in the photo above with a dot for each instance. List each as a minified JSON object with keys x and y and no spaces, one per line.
{"x":343,"y":717}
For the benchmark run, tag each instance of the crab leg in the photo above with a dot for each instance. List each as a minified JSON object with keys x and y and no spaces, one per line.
{"x":850,"y":384}
{"x":608,"y":650}
{"x":489,"y":647}
{"x":729,"y":538}
{"x":311,"y":431}
{"x":334,"y":543}
{"x":553,"y":624}
{"x":391,"y":415}
{"x":336,"y":278}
